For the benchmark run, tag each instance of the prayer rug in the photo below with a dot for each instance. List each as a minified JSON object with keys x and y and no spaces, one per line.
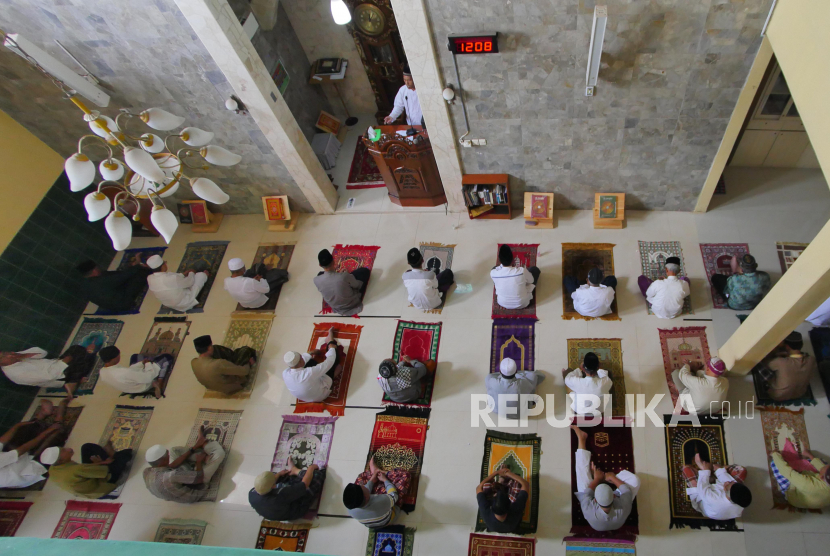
{"x":779,"y":425}
{"x":181,"y":531}
{"x":282,"y":537}
{"x":762,"y":398}
{"x":653,"y":255}
{"x":788,"y":252}
{"x":220,"y":425}
{"x":125,"y":430}
{"x":97,"y":333}
{"x":398,"y":441}
{"x":272,"y":255}
{"x":418,"y":340}
{"x":11,"y":516}
{"x":612,"y":449}
{"x":609,"y":351}
{"x":347,"y":335}
{"x":246,"y":330}
{"x":678,"y":345}
{"x":133,"y":257}
{"x":86,"y":520}
{"x":577,"y":260}
{"x":166,"y":336}
{"x":364,"y":173}
{"x":348,"y":258}
{"x":521,"y":453}
{"x":500,"y":545}
{"x":717,"y":259}
{"x":524,"y":254}
{"x":306,"y":440}
{"x":595,"y":547}
{"x":513,"y":338}
{"x":683,"y":441}
{"x":395,"y":540}
{"x":201,"y":255}
{"x":437,"y":257}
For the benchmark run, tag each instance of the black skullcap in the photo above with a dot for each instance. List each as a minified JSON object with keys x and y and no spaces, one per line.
{"x":740,"y":494}
{"x":591,"y":361}
{"x":413,"y":257}
{"x":794,"y":336}
{"x":595,"y":276}
{"x":387,"y":369}
{"x":108,"y":353}
{"x":203,"y":342}
{"x":353,"y":496}
{"x":673,"y":260}
{"x":505,"y":255}
{"x":748,"y":263}
{"x":86,"y":267}
{"x":324,"y":258}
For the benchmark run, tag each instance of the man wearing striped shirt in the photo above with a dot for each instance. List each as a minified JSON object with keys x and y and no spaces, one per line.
{"x":372,"y":510}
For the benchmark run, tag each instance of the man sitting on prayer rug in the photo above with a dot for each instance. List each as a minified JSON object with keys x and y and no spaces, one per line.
{"x":426,"y":289}
{"x":666,"y":295}
{"x":173,"y":289}
{"x":376,"y":510}
{"x":18,"y":468}
{"x":221,"y":368}
{"x":593,"y":299}
{"x":509,"y":380}
{"x":181,"y":474}
{"x":588,"y":385}
{"x":139,"y":377}
{"x":113,"y":290}
{"x":42,"y":419}
{"x":309,"y":375}
{"x":605,"y":509}
{"x":704,"y":390}
{"x":724,"y":499}
{"x":404,"y":382}
{"x":514,"y":283}
{"x":31,"y":368}
{"x":343,"y":291}
{"x":803,"y":479}
{"x":288,"y":494}
{"x":787,"y":373}
{"x":746,"y":287}
{"x":250,"y":288}
{"x":95,"y":477}
{"x":502,"y":497}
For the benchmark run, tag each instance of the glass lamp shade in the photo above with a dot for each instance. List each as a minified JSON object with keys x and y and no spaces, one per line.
{"x":209,"y":191}
{"x":160,"y":119}
{"x":340,"y":12}
{"x":219,"y":156}
{"x":172,"y":190}
{"x":196,"y":137}
{"x":143,"y":163}
{"x":152,"y":143}
{"x":100,"y":132}
{"x":80,"y":170}
{"x":97,"y":206}
{"x":119,"y":229}
{"x":111,"y":169}
{"x":169,"y":164}
{"x":164,"y":222}
{"x":138,"y":184}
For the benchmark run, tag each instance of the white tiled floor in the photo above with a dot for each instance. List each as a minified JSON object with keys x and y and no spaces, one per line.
{"x":762,"y":207}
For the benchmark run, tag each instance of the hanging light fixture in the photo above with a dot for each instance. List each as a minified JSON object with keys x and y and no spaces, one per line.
{"x":340,"y":12}
{"x":163,"y":220}
{"x":119,"y":229}
{"x":80,"y":170}
{"x":196,"y":137}
{"x":219,"y":156}
{"x":161,"y":120}
{"x":111,"y":169}
{"x":209,"y":191}
{"x":97,"y":206}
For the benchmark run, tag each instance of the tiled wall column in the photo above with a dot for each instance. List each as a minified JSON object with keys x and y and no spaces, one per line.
{"x":420,"y":53}
{"x":219,"y":30}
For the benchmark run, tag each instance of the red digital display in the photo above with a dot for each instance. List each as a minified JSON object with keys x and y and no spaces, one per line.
{"x":482,"y":44}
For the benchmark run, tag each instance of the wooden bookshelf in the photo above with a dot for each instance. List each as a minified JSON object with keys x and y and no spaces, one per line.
{"x":501,"y":211}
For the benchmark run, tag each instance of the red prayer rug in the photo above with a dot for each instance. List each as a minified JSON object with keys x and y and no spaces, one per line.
{"x":86,"y":520}
{"x":681,"y":344}
{"x":500,"y":545}
{"x":717,"y":258}
{"x":11,"y":516}
{"x":347,"y":336}
{"x":348,"y":258}
{"x":525,"y":255}
{"x":364,"y":173}
{"x":420,"y":341}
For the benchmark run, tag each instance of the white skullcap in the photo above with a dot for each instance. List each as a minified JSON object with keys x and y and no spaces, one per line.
{"x":236,"y":264}
{"x":604,"y":495}
{"x":292,"y":358}
{"x":155,"y":262}
{"x":507,"y":367}
{"x":50,"y":455}
{"x":155,"y":453}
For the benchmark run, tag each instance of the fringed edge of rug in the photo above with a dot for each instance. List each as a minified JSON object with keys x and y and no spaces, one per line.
{"x":587,"y":246}
{"x":769,"y":404}
{"x":338,"y":326}
{"x":214,"y":395}
{"x":172,"y":521}
{"x":91,"y":506}
{"x":405,"y":411}
{"x":577,"y":316}
{"x":98,"y":321}
{"x":424,"y":323}
{"x":318,"y":407}
{"x":588,"y":539}
{"x":135,"y":407}
{"x":355,"y":246}
{"x":584,"y":532}
{"x":678,"y":328}
{"x":285,"y":526}
{"x":782,"y":410}
{"x":270,"y":243}
{"x":410,"y":405}
{"x":432,"y":244}
{"x":520,"y":245}
{"x":510,"y":436}
{"x":494,"y":316}
{"x":252,"y":315}
{"x":312,"y":419}
{"x":711,"y":524}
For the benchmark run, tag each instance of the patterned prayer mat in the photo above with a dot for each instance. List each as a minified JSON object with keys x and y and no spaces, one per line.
{"x":347,"y":336}
{"x":86,"y":520}
{"x":717,"y":259}
{"x":11,"y":516}
{"x":348,"y":258}
{"x":762,"y":398}
{"x":513,"y":338}
{"x":306,"y":440}
{"x":97,"y":333}
{"x":282,"y":537}
{"x":525,"y":254}
{"x":364,"y":173}
{"x":779,"y":425}
{"x":577,"y":260}
{"x":125,"y":430}
{"x":679,"y":344}
{"x":251,"y":330}
{"x":395,"y":540}
{"x":181,"y":531}
{"x":596,"y":547}
{"x":133,"y":257}
{"x":609,"y":351}
{"x":166,"y":336}
{"x":500,"y":545}
{"x":418,"y":340}
{"x":820,"y":338}
{"x":521,"y":453}
{"x":203,"y":255}
{"x":437,"y":257}
{"x":683,"y":441}
{"x":398,"y":441}
{"x":272,"y":255}
{"x":220,"y":425}
{"x":612,"y":449}
{"x":653,"y":255}
{"x":788,"y":252}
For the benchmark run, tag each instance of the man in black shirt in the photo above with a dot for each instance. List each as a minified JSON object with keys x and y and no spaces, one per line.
{"x":287,"y":494}
{"x":113,"y":290}
{"x":499,"y":513}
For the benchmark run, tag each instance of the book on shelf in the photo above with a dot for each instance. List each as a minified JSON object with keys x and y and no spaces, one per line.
{"x":478,"y":211}
{"x":478,"y":195}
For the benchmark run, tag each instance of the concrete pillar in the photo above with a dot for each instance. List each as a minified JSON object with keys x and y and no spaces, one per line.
{"x":265,"y":12}
{"x":217,"y":27}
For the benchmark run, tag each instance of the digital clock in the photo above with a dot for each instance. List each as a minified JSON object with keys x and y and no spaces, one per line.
{"x":483,"y":43}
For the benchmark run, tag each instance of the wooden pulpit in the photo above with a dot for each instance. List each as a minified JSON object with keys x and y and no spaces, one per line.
{"x":407,"y":166}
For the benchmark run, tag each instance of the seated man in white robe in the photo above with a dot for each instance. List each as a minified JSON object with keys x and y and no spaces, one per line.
{"x":724,"y":499}
{"x":426,"y":289}
{"x":31,"y":368}
{"x":514,"y":283}
{"x":18,"y":469}
{"x":509,"y":380}
{"x":309,"y":375}
{"x":139,"y":377}
{"x":173,"y":289}
{"x":588,"y":384}
{"x":666,"y":295}
{"x":594,"y":298}
{"x":251,"y":288}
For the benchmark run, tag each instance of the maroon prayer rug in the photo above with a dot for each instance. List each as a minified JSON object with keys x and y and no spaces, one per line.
{"x":717,"y":258}
{"x":86,"y":520}
{"x":348,"y":258}
{"x":525,"y":255}
{"x":11,"y":516}
{"x":513,"y":338}
{"x":364,"y":173}
{"x":500,"y":545}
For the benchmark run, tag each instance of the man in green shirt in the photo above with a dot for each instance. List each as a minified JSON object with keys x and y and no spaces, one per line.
{"x":804,"y":489}
{"x":95,"y":477}
{"x":113,"y":290}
